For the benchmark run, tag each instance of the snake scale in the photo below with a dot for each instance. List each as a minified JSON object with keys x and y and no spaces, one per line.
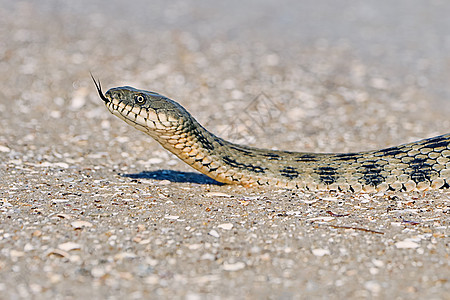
{"x":416,"y":166}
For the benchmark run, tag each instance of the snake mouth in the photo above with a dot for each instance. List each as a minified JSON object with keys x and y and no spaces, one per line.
{"x":98,"y":86}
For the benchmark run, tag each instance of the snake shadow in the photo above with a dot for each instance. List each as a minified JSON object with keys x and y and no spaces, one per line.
{"x":174,"y":176}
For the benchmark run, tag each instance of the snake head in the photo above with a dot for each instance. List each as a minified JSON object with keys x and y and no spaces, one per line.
{"x":130,"y":96}
{"x":145,"y":110}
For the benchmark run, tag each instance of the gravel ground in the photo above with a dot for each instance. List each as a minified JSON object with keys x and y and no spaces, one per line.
{"x":91,"y":208}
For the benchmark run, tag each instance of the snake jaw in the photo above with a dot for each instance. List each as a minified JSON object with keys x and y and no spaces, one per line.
{"x":98,"y":86}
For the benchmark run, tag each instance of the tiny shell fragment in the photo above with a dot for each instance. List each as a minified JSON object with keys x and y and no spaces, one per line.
{"x":80,"y":224}
{"x":320,"y":252}
{"x":69,"y":246}
{"x":234,"y":267}
{"x":225,"y":226}
{"x":218,"y":194}
{"x":406,"y":244}
{"x":214,"y":233}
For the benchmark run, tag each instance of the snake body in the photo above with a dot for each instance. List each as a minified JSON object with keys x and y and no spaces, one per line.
{"x":420,"y":165}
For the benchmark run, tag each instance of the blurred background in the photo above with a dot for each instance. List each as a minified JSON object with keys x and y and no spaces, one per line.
{"x":312,"y":75}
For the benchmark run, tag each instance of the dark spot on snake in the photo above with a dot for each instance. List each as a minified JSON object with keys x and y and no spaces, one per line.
{"x":306,"y":158}
{"x":289,"y":172}
{"x":390,"y":151}
{"x":271,"y":156}
{"x":235,"y":164}
{"x":420,"y":170}
{"x":372,"y":173}
{"x":203,"y":140}
{"x":219,"y":141}
{"x":327,"y":174}
{"x":347,"y":156}
{"x":437,"y":144}
{"x":246,"y":152}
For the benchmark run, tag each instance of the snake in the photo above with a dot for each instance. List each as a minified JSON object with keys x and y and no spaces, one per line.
{"x":417,"y":166}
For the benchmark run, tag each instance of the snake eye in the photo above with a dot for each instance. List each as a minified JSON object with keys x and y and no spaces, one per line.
{"x":139,"y":99}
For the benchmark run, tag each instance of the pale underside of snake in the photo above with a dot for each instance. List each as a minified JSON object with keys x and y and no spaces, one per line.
{"x":416,"y":166}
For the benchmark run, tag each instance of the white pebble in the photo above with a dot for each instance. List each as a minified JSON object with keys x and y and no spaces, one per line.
{"x":233,"y":267}
{"x":61,"y":165}
{"x":208,"y":256}
{"x":152,"y":279}
{"x":154,"y":160}
{"x":195,"y":246}
{"x":4,"y":149}
{"x":28,"y":247}
{"x":60,"y":201}
{"x":124,"y":255}
{"x":69,"y":246}
{"x":214,"y":233}
{"x":329,"y":199}
{"x":81,"y":224}
{"x":407,"y":244}
{"x":77,"y":102}
{"x":320,"y":252}
{"x":97,"y":272}
{"x":373,"y":286}
{"x":225,"y":226}
{"x":324,"y":219}
{"x":378,"y":263}
{"x":217,"y":194}
{"x":14,"y":254}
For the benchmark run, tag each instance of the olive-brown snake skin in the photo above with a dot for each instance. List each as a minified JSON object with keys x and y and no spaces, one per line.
{"x":421,"y":165}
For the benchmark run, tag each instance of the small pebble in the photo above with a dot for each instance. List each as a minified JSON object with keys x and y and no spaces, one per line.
{"x":154,"y":161}
{"x":81,"y":224}
{"x":97,"y":272}
{"x":217,"y":194}
{"x":164,"y":182}
{"x":207,"y":256}
{"x":214,"y":233}
{"x":406,"y":244}
{"x":28,"y":247}
{"x":373,"y":286}
{"x":225,"y":226}
{"x":69,"y":246}
{"x":324,"y":219}
{"x":320,"y":252}
{"x":4,"y":149}
{"x":37,"y":233}
{"x":15,"y":254}
{"x":124,"y":255}
{"x":152,"y":279}
{"x":233,"y":267}
{"x":58,"y":252}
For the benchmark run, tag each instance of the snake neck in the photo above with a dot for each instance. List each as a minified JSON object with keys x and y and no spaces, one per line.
{"x":416,"y":166}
